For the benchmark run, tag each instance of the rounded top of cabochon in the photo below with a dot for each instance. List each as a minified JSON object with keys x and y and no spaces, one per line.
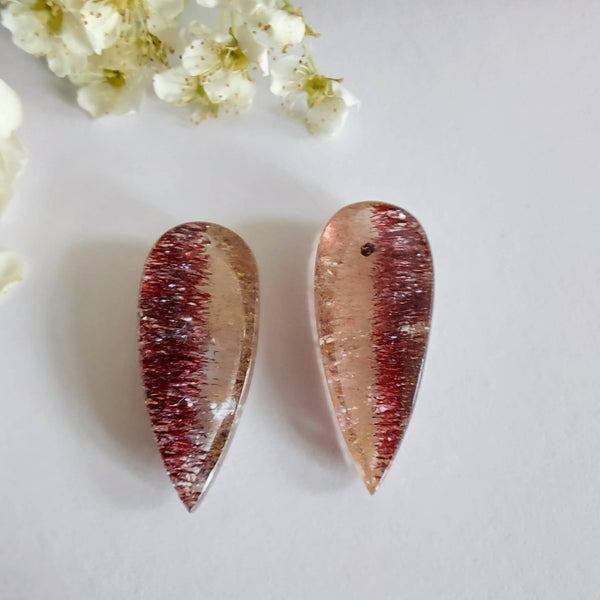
{"x":357,"y":207}
{"x":368,"y":204}
{"x":215,"y":232}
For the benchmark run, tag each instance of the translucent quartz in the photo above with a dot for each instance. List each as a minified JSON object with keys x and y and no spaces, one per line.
{"x":373,"y":300}
{"x":198,"y":328}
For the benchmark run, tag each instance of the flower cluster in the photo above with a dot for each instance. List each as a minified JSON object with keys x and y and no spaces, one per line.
{"x":112,"y":49}
{"x":105,"y":47}
{"x":12,"y":161}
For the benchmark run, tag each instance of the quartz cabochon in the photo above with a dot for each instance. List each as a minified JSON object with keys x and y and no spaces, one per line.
{"x":197,"y":332}
{"x":373,"y":303}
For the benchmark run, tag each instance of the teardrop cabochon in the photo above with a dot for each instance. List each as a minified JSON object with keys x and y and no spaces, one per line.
{"x":373,"y":303}
{"x":199,"y":304}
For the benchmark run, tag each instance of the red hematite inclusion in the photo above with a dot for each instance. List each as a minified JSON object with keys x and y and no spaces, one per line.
{"x":373,"y":293}
{"x":198,"y":311}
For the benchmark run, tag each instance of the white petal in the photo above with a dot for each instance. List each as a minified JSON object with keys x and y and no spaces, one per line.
{"x":286,"y":29}
{"x":63,"y":63}
{"x":172,"y":85}
{"x":231,"y":89}
{"x":74,"y":36}
{"x":28,"y":32}
{"x":200,"y":57}
{"x":122,"y":56}
{"x":12,"y":160}
{"x":200,"y":31}
{"x":168,"y":9}
{"x":246,"y":8}
{"x":11,"y":270}
{"x":242,"y":97}
{"x":102,"y":24}
{"x":340,"y":91}
{"x":287,"y":74}
{"x":69,"y":5}
{"x":327,"y":117}
{"x":102,"y":98}
{"x":11,"y":111}
{"x":255,"y":51}
{"x":163,"y":13}
{"x":242,"y":7}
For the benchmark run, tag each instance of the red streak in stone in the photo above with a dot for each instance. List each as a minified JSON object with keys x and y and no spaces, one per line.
{"x":403,"y":284}
{"x":173,"y":330}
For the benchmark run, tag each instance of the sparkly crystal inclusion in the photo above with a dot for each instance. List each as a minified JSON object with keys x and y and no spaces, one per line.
{"x":198,"y":327}
{"x":373,"y":300}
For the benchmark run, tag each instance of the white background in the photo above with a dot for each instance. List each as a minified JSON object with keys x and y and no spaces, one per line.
{"x":481,"y":117}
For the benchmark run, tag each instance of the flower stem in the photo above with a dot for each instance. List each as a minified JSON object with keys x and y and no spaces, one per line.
{"x":311,"y":60}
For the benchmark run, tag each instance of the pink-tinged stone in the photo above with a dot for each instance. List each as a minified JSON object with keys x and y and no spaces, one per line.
{"x":373,"y":300}
{"x":198,"y":330}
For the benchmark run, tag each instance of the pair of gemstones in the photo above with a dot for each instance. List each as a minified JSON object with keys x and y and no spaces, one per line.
{"x":199,"y":306}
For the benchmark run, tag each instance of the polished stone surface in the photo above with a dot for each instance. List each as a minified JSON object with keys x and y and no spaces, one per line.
{"x":198,"y":330}
{"x":373,"y":300}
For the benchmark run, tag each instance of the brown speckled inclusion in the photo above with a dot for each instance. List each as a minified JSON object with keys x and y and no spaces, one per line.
{"x":198,"y":328}
{"x":373,"y":299}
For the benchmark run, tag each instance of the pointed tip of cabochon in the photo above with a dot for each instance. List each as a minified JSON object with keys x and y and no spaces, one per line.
{"x":190,"y":500}
{"x":372,"y":483}
{"x":373,"y":477}
{"x":190,"y":505}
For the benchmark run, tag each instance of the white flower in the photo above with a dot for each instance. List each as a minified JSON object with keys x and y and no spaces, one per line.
{"x":110,"y":94}
{"x":176,"y":86}
{"x":12,"y":161}
{"x":284,"y":24}
{"x":112,"y":83}
{"x":322,"y":101}
{"x":12,"y":154}
{"x":38,"y":26}
{"x":11,"y":111}
{"x":281,"y":20}
{"x":214,"y":75}
{"x":226,"y":91}
{"x":203,"y":55}
{"x":11,"y":270}
{"x":231,"y":90}
{"x":327,"y":116}
{"x":253,"y":49}
{"x":284,"y":29}
{"x":212,"y":51}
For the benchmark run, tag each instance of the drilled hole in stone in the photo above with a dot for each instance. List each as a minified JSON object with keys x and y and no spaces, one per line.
{"x":367,"y":249}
